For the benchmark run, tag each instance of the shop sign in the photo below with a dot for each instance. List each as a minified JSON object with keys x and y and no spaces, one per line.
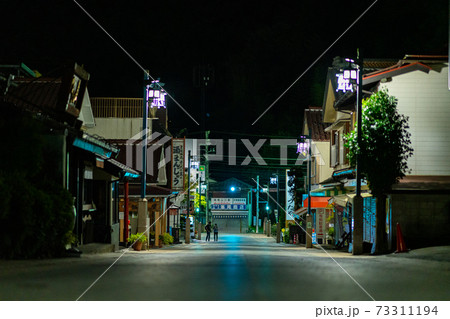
{"x":290,"y":201}
{"x":228,"y":201}
{"x":320,"y":222}
{"x":228,"y":207}
{"x":178,"y":164}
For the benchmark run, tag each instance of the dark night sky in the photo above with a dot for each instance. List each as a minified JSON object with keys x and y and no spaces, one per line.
{"x":258,"y":48}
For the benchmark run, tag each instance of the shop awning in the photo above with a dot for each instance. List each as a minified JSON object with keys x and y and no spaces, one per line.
{"x":342,"y":200}
{"x":328,"y":191}
{"x":96,"y":146}
{"x":317,"y":202}
{"x":301,"y":211}
{"x":118,"y":169}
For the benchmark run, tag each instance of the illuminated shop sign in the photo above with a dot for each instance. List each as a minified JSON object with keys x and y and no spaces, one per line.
{"x":345,"y":80}
{"x":156,"y":95}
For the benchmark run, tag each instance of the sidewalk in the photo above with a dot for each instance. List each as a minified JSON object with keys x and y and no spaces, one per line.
{"x":437,"y":253}
{"x":96,"y":248}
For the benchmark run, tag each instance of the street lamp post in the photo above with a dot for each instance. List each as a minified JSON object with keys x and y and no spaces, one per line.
{"x":153,"y":97}
{"x":143,"y":221}
{"x":257,"y":203}
{"x":305,"y":148}
{"x":358,"y":201}
{"x":153,"y":94}
{"x":144,"y":136}
{"x":354,"y":77}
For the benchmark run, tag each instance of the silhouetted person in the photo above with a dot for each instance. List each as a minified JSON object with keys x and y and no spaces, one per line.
{"x":216,"y":232}
{"x":208,"y":231}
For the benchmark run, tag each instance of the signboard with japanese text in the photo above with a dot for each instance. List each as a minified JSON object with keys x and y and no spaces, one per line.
{"x":238,"y":201}
{"x":320,"y":222}
{"x":178,"y":164}
{"x":228,"y":203}
{"x":228,"y":207}
{"x":290,"y":202}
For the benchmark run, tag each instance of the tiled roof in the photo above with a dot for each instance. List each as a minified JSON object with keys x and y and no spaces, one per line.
{"x":313,"y":118}
{"x":41,"y":93}
{"x":394,"y":71}
{"x":376,"y":64}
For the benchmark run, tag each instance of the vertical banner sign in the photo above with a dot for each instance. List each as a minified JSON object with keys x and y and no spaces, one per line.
{"x":320,"y":223}
{"x":178,"y":147}
{"x":290,"y":201}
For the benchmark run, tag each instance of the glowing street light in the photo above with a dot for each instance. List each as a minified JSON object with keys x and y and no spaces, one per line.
{"x":152,"y":95}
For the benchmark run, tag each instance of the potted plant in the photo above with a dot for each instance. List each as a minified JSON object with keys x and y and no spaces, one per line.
{"x":168,"y":239}
{"x":136,"y":240}
{"x":330,"y":235}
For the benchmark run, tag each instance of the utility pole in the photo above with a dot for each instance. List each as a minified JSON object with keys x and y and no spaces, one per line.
{"x":199,"y":196}
{"x":257,"y":203}
{"x":187,"y":227}
{"x":249,"y":207}
{"x":309,"y":172}
{"x":207,"y":179}
{"x":309,"y":216}
{"x":357,"y":238}
{"x":278,"y":194}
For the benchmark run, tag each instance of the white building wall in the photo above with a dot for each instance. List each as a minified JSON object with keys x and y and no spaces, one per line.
{"x":321,"y":151}
{"x":117,"y":128}
{"x":425,"y":99}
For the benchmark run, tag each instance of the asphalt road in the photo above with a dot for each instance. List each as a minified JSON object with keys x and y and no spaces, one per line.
{"x":238,"y":267}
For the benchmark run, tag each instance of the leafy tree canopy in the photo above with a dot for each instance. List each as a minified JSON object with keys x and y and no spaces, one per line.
{"x":385,"y":142}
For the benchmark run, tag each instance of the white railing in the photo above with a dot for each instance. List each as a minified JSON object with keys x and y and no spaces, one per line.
{"x":116,"y":107}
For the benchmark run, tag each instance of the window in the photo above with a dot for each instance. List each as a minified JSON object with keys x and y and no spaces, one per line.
{"x":334,"y":151}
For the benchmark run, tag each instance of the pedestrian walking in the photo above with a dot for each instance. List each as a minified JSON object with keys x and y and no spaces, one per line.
{"x":208,"y":231}
{"x":216,"y":232}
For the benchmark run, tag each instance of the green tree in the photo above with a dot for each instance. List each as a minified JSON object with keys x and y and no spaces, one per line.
{"x":384,"y":151}
{"x":36,"y":211}
{"x":297,"y":184}
{"x":199,"y":200}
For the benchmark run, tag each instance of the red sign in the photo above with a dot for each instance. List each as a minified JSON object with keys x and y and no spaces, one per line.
{"x":320,"y":222}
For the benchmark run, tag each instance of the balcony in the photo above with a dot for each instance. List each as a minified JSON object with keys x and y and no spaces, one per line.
{"x":117,"y":107}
